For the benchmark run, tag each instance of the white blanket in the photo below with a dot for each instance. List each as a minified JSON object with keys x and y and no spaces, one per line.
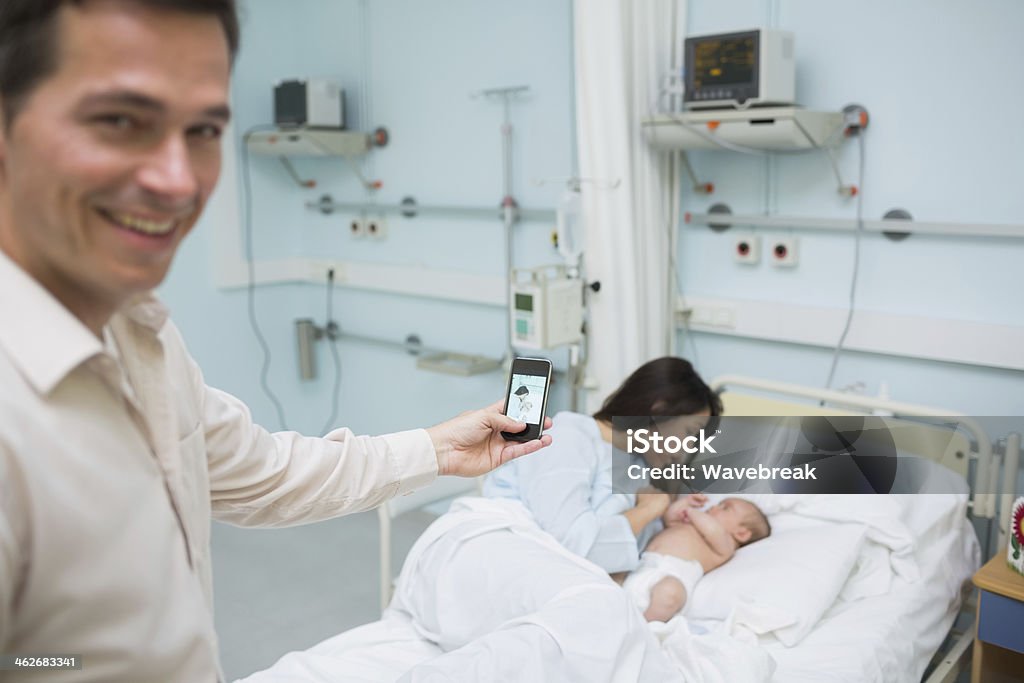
{"x":505,"y":601}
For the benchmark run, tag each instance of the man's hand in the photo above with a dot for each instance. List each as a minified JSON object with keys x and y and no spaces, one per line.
{"x":471,"y":444}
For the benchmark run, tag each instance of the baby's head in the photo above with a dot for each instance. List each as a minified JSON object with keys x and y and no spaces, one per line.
{"x":742,"y":519}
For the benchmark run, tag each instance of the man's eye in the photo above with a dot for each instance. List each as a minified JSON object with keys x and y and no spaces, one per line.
{"x":121,"y":122}
{"x":206,"y":132}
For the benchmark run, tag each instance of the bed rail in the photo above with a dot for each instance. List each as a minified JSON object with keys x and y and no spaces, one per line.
{"x":983,"y":504}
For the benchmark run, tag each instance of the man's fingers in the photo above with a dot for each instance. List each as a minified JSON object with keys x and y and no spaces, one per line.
{"x":507,"y":424}
{"x":513,"y":451}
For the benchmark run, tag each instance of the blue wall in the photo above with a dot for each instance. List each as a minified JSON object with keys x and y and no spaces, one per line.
{"x":941,"y":144}
{"x":414,"y":66}
{"x":937,"y":80}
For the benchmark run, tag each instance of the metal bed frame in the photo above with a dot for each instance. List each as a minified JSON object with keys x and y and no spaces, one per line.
{"x":984,"y":504}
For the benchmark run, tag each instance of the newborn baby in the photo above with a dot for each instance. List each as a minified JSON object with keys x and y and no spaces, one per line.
{"x":693,"y":543}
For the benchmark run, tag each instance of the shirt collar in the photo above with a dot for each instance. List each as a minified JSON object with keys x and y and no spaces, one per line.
{"x":43,"y":339}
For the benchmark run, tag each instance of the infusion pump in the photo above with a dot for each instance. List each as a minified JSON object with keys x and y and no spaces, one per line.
{"x":546,"y":307}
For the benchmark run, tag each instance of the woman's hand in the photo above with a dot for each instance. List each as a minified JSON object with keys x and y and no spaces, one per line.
{"x":653,"y":500}
{"x":650,"y":505}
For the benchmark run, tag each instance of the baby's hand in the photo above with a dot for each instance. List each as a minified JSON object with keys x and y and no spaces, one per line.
{"x":677,"y":512}
{"x":696,"y":500}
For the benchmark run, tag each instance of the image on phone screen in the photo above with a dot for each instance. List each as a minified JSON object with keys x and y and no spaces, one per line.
{"x":526,"y":398}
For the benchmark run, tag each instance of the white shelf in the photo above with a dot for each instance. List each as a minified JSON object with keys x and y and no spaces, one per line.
{"x":310,"y":142}
{"x":771,"y":128}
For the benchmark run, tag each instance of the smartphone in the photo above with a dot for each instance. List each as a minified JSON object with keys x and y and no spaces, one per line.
{"x":527,"y":397}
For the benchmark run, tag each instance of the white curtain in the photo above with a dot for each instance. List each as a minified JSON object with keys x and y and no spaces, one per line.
{"x":623,"y":50}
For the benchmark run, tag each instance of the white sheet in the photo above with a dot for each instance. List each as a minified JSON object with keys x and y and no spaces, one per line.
{"x":887,"y":638}
{"x":498,"y":599}
{"x":890,"y":638}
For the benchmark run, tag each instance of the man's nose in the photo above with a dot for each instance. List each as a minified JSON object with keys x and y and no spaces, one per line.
{"x":167,"y":171}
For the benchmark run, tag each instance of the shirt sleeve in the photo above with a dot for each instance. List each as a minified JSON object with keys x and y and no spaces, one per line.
{"x":557,"y":486}
{"x":12,"y":509}
{"x":257,"y":478}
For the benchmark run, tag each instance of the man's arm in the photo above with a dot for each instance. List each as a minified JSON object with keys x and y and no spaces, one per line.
{"x":261,"y":479}
{"x":720,"y":541}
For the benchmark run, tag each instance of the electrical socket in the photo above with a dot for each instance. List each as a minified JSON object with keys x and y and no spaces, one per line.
{"x":377,"y":228}
{"x":357,"y":228}
{"x":747,"y":249}
{"x":784,"y":252}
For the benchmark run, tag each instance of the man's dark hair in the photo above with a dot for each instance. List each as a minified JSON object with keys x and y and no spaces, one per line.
{"x":28,"y":50}
{"x":661,"y":387}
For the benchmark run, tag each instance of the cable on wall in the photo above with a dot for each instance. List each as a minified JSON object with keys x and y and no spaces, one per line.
{"x":250,"y":261}
{"x":858,"y":233}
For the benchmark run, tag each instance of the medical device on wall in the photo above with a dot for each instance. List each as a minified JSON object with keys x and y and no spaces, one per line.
{"x":547,"y":307}
{"x":313,"y":102}
{"x":740,"y":69}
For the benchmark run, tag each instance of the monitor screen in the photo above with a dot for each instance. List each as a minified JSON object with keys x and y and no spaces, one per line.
{"x":724,"y":61}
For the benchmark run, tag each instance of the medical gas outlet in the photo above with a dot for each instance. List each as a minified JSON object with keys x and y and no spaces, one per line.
{"x":747,"y":249}
{"x":784,"y":252}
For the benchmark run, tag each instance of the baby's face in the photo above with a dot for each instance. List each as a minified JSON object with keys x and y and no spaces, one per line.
{"x":731,"y":513}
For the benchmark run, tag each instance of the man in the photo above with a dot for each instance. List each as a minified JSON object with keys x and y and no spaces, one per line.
{"x":113,"y":451}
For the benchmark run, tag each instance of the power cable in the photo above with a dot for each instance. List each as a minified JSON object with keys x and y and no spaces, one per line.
{"x":856,"y":261}
{"x":250,"y":261}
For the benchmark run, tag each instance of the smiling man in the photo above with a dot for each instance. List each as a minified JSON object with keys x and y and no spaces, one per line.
{"x":114,"y":454}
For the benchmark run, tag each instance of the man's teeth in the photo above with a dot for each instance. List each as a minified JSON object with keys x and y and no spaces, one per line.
{"x":143,"y":225}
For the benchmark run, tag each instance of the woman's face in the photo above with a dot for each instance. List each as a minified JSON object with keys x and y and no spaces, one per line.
{"x":680,"y":426}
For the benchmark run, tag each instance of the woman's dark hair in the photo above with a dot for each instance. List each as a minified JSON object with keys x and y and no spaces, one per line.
{"x":522,"y":390}
{"x":28,"y":51}
{"x":661,"y":387}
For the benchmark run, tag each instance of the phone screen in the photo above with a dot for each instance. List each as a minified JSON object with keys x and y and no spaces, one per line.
{"x":526,"y":398}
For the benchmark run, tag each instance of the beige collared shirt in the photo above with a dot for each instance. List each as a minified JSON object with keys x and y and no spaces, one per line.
{"x":113,"y":457}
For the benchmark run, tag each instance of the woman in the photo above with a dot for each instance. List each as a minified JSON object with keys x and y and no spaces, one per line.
{"x":569,"y":490}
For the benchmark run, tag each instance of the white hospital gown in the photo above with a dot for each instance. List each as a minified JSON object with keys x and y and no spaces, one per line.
{"x":568,"y":489}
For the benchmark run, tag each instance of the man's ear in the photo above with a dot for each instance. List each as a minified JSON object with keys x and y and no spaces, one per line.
{"x":742,"y":535}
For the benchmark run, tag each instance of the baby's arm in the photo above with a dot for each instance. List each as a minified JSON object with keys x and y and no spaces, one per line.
{"x":678,"y":511}
{"x":720,"y":540}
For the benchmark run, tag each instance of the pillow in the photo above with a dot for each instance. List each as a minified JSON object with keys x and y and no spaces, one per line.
{"x":797,"y":572}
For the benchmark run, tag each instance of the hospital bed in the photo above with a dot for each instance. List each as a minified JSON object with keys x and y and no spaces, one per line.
{"x":901,"y":634}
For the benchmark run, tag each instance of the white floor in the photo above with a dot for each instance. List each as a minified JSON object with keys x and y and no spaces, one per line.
{"x":277,"y":590}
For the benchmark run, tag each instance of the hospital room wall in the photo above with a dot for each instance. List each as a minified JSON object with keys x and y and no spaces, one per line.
{"x":942,"y":143}
{"x":411,"y":67}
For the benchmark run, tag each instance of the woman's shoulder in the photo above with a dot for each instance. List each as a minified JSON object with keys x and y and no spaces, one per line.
{"x":575,"y":424}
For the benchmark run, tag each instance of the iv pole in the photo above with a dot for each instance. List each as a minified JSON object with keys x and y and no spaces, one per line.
{"x":509,"y":207}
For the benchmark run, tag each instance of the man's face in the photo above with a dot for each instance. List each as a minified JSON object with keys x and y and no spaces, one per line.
{"x":109,"y":162}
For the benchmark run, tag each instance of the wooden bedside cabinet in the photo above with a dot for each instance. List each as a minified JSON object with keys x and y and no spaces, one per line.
{"x":999,"y":644}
